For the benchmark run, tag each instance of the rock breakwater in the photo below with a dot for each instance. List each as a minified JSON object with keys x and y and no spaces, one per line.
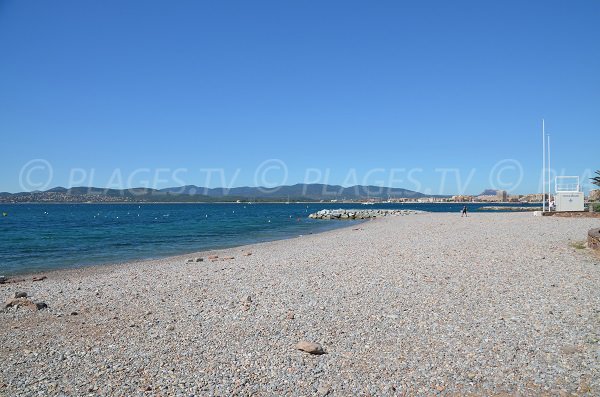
{"x":359,"y":214}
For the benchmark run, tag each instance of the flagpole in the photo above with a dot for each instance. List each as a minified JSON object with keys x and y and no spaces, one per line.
{"x":543,"y":167}
{"x":549,"y":177}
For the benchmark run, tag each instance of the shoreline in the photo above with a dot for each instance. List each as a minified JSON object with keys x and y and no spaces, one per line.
{"x":175,"y":258}
{"x":415,"y":305}
{"x":265,"y":202}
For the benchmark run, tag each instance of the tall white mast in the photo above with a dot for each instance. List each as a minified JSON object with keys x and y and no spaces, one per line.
{"x":549,"y":177}
{"x":543,"y":167}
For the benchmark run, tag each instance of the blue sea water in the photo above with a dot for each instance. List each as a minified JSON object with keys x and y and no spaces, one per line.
{"x":42,"y":237}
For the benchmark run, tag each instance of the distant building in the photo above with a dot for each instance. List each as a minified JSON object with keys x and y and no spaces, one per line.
{"x":487,"y":197}
{"x":501,"y":195}
{"x":531,"y":198}
{"x":462,"y":199}
{"x":594,"y":195}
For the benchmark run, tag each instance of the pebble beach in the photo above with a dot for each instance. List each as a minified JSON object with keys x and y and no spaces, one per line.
{"x":423,"y":304}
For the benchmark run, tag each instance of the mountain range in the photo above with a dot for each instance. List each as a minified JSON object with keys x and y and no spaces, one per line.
{"x":192,"y":193}
{"x":314,"y":191}
{"x":489,"y":192}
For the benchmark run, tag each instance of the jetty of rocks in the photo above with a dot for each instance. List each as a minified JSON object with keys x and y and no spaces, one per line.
{"x":359,"y":214}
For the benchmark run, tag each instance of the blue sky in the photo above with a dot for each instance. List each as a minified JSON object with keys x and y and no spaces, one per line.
{"x":437,"y":96}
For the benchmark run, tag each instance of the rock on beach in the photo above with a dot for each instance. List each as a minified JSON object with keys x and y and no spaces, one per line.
{"x":310,"y":347}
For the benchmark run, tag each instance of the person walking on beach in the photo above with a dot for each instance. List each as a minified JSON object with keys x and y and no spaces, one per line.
{"x":464,"y":211}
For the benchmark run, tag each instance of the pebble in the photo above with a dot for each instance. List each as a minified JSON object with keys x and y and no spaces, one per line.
{"x":310,"y":347}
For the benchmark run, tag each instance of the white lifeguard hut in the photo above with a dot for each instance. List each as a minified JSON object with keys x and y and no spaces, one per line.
{"x":567,"y":194}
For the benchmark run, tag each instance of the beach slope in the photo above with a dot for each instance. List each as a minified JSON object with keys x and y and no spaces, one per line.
{"x":416,"y":305}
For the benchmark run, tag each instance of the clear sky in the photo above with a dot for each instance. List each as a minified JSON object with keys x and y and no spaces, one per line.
{"x":438,"y":96}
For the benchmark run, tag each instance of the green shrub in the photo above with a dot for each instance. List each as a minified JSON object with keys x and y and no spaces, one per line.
{"x":596,"y":207}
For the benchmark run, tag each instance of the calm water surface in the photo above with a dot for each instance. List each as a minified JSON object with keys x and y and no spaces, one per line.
{"x":40,"y":237}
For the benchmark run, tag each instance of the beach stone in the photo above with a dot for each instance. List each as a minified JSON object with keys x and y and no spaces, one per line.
{"x":570,"y":349}
{"x":40,"y":278}
{"x":20,"y":294}
{"x":594,"y":239}
{"x":246,"y":300}
{"x":290,"y":316}
{"x":213,"y":256}
{"x":199,"y":260}
{"x":41,"y":305}
{"x":20,"y":302}
{"x":3,"y":279}
{"x":310,"y":347}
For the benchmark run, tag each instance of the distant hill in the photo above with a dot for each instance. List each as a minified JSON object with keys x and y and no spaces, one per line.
{"x":191,"y":193}
{"x":489,"y":192}
{"x":313,"y":191}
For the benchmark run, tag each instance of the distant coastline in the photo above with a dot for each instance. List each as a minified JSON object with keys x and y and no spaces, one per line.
{"x":299,"y":193}
{"x":507,"y":203}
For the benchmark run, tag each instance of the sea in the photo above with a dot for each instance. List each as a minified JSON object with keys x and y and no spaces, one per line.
{"x":40,"y":237}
